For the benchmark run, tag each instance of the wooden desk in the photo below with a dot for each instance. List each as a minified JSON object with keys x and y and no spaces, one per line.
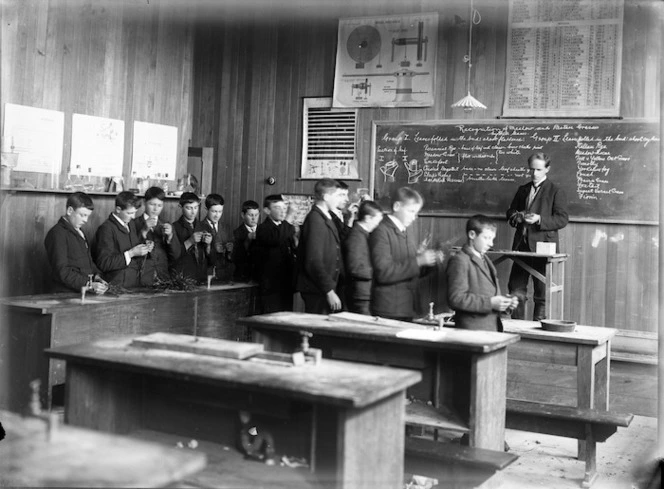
{"x":588,"y":349}
{"x":553,"y":278}
{"x":349,"y":416}
{"x":28,"y":324}
{"x":76,"y":457}
{"x":464,"y":372}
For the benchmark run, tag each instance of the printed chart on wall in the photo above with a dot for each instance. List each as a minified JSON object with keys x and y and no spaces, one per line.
{"x":299,"y":206}
{"x":386,"y":61}
{"x":36,"y":135}
{"x":608,"y":170}
{"x":564,"y":58}
{"x":97,"y":146}
{"x":155,"y":150}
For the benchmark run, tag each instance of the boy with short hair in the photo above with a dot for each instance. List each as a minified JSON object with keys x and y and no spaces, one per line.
{"x":343,"y":223}
{"x":396,"y":259}
{"x":357,"y":258}
{"x":275,"y":249}
{"x":166,"y":246}
{"x":68,"y":249}
{"x":122,"y":254}
{"x":193,"y":261}
{"x":244,"y":240}
{"x":219,"y":249}
{"x":320,"y":261}
{"x":473,"y":290}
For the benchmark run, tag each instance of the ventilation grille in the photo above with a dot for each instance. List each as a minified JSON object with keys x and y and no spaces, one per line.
{"x":329,"y":133}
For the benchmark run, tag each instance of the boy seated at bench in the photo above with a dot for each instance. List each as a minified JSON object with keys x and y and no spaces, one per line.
{"x":68,"y":249}
{"x":473,"y":290}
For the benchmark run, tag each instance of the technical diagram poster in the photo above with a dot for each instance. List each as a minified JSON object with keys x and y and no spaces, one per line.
{"x":386,"y":61}
{"x":155,"y":150}
{"x":97,"y":146}
{"x":564,"y":58}
{"x":37,"y":136}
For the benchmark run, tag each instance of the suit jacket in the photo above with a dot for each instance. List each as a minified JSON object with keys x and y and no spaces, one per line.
{"x":164,"y":255}
{"x":358,"y":264}
{"x":395,"y":270}
{"x":319,"y":255}
{"x":243,"y":255}
{"x":69,"y":256}
{"x":342,"y":229}
{"x":275,"y":249}
{"x":220,"y":260}
{"x":193,"y":262}
{"x":113,"y":240}
{"x":470,"y":286}
{"x":550,"y":203}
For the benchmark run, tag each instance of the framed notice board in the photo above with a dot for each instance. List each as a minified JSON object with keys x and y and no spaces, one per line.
{"x":608,"y":169}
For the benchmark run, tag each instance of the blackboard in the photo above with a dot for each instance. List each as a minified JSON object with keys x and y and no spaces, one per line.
{"x":608,"y":168}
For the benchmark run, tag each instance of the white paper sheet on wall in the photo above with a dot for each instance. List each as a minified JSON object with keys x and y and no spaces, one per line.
{"x":155,"y":150}
{"x":97,"y":145}
{"x":36,"y":135}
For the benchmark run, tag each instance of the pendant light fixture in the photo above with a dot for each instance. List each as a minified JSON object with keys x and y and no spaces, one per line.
{"x":469,"y":102}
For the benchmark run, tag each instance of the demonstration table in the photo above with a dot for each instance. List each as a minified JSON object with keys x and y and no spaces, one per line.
{"x":32,"y":323}
{"x":553,"y":278}
{"x":349,"y":416}
{"x":464,"y":372}
{"x":76,"y":457}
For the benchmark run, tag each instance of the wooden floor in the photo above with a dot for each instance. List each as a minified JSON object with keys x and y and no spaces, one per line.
{"x":550,"y":461}
{"x":633,"y":386}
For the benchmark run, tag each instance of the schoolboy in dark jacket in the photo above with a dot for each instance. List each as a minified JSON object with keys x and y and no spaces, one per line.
{"x":275,"y":248}
{"x":244,"y":239}
{"x":121,"y":252}
{"x":357,"y":258}
{"x":166,"y":246}
{"x":219,"y":250}
{"x":319,"y":255}
{"x":396,"y":260}
{"x":68,"y":249}
{"x":193,"y":261}
{"x":473,"y":290}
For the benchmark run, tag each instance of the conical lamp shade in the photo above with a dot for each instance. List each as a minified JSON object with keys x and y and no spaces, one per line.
{"x":469,"y":103}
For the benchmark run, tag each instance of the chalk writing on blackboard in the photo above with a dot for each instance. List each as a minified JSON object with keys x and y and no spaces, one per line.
{"x":608,"y":169}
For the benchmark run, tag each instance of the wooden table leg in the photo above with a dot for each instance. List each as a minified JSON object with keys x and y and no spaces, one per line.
{"x":592,"y":382}
{"x":352,"y":443}
{"x":103,"y":399}
{"x":487,"y":400}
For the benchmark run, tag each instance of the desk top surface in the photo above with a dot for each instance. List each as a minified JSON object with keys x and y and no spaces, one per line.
{"x":331,"y":382}
{"x":373,"y":328}
{"x":76,"y":457}
{"x":49,"y":303}
{"x":516,"y":254}
{"x":588,"y":335}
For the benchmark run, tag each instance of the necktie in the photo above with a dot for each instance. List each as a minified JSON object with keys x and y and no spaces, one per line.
{"x":531,"y":196}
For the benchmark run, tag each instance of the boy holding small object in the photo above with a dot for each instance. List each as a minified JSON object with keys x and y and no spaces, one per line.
{"x":473,"y":289}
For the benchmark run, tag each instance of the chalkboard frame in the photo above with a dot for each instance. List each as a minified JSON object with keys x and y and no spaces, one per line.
{"x":376,"y":124}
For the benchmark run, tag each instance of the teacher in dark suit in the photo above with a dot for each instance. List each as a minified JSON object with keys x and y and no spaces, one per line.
{"x":538,"y":211}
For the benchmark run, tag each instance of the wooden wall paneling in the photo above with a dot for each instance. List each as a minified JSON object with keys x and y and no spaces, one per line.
{"x":37,"y":56}
{"x":631,"y":99}
{"x":8,"y":50}
{"x":653,"y":28}
{"x":282,"y":163}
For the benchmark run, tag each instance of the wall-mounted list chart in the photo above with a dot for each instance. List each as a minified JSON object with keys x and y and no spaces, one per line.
{"x":564,"y":58}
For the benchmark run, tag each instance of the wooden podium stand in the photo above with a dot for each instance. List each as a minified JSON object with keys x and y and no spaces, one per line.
{"x":553,"y":278}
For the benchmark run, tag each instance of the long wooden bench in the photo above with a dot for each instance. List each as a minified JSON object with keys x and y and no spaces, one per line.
{"x":459,"y":466}
{"x":589,"y":425}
